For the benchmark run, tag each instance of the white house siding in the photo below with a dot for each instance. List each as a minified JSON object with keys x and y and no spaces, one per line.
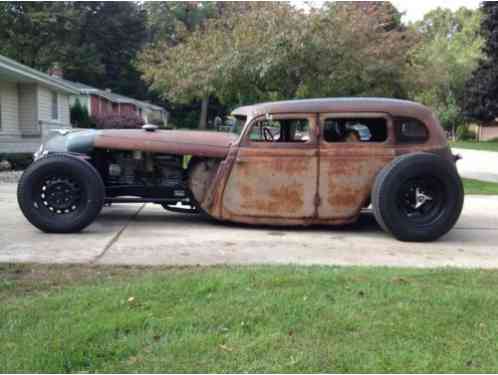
{"x":45,"y":111}
{"x":28,"y":110}
{"x":9,"y":126}
{"x":64,"y":115}
{"x":45,"y":106}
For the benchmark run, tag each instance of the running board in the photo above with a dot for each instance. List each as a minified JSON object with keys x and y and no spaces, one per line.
{"x":144,"y":200}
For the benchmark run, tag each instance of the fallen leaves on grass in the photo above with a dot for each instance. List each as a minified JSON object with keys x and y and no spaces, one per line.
{"x":225,"y":348}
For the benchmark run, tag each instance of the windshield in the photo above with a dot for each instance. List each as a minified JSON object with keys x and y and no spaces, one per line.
{"x":238,"y":124}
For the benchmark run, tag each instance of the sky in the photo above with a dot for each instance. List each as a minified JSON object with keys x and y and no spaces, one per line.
{"x":414,"y":9}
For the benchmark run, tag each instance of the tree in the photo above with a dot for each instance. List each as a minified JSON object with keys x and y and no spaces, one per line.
{"x":115,"y":31}
{"x":36,"y":33}
{"x":79,"y":116}
{"x":481,"y":90}
{"x":170,"y":23}
{"x":94,"y":42}
{"x":274,"y":51}
{"x":442,"y":62}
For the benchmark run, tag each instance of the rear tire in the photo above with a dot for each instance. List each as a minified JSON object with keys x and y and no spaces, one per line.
{"x":418,"y":197}
{"x":60,"y":194}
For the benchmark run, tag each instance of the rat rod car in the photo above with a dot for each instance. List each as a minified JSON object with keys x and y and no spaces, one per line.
{"x":299,"y":162}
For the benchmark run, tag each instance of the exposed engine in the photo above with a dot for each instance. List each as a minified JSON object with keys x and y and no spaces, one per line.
{"x":145,"y":174}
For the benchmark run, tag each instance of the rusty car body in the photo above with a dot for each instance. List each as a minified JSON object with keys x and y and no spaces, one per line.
{"x":298,"y":162}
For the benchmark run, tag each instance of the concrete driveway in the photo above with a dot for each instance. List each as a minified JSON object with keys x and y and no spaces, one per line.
{"x":148,"y":235}
{"x":479,"y":165}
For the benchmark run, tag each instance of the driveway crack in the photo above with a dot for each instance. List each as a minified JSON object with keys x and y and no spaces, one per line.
{"x":116,"y":237}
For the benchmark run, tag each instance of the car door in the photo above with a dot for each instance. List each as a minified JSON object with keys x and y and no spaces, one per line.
{"x":353,"y":148}
{"x":275,"y":172}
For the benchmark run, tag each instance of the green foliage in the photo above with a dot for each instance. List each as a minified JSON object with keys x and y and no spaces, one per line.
{"x":19,"y":162}
{"x":463,"y":133}
{"x":448,"y":52}
{"x":170,"y":21}
{"x":273,"y":51}
{"x":80,"y":117}
{"x":36,"y":33}
{"x":94,"y":42}
{"x":481,"y":96}
{"x":118,"y":121}
{"x":482,"y":145}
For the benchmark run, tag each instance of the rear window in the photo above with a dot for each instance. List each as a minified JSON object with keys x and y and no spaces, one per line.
{"x":410,"y":130}
{"x":355,"y":129}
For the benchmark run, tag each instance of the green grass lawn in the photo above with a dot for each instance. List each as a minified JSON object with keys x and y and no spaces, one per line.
{"x":471,"y":145}
{"x":479,"y":187}
{"x":247,"y":319}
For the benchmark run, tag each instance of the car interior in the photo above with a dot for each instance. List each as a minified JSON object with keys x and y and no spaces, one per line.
{"x":281,"y":131}
{"x":354,"y":130}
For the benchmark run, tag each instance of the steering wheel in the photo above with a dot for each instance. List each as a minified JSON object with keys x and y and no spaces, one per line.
{"x":267,"y":134}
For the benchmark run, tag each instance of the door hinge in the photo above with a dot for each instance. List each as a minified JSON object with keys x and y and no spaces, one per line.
{"x":318,"y":200}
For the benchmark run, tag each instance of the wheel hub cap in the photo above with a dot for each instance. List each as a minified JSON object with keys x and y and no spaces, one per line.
{"x":420,"y":198}
{"x":60,"y":195}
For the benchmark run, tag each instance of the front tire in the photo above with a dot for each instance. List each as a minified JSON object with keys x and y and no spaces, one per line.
{"x":61,"y":194}
{"x":418,"y":197}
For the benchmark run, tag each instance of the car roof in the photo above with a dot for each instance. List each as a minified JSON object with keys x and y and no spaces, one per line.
{"x":345,"y":105}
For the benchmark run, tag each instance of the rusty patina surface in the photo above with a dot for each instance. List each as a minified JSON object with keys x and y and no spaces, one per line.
{"x":180,"y":142}
{"x":316,"y":182}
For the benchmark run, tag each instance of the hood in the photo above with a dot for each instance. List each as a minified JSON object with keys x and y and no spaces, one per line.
{"x":180,"y":142}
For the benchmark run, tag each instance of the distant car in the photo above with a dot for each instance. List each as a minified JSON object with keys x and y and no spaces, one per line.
{"x":302,"y":162}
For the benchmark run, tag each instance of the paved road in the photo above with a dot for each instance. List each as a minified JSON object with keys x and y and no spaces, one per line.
{"x":480,"y":165}
{"x":148,"y":235}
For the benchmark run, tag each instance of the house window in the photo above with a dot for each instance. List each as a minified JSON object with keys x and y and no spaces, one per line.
{"x":55,"y":106}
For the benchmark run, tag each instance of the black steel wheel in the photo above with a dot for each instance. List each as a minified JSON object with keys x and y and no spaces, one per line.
{"x":422,"y":199}
{"x":61,"y":194}
{"x":418,"y":197}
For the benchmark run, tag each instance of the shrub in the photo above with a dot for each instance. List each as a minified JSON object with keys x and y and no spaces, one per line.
{"x":118,"y":121}
{"x":80,"y":117}
{"x":463,"y":133}
{"x":18,"y":162}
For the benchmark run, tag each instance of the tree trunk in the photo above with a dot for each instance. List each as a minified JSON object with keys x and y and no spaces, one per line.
{"x":204,"y":113}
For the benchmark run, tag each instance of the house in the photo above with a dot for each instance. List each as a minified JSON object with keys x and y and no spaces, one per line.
{"x":102,"y":102}
{"x":488,"y":132}
{"x":31,"y":104}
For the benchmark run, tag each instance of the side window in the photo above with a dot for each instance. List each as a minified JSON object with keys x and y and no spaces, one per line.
{"x":410,"y":130}
{"x":280,"y":131}
{"x":355,"y":130}
{"x":54,"y":106}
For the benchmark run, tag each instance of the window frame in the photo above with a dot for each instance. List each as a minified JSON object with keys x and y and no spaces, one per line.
{"x":387,"y":117}
{"x":310,"y":117}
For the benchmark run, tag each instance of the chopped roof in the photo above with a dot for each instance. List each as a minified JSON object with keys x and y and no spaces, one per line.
{"x":323,"y":105}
